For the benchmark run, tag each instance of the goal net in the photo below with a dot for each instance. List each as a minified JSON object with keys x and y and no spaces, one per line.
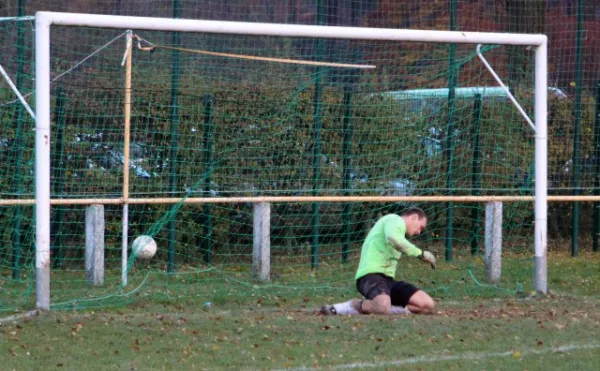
{"x":258,"y":156}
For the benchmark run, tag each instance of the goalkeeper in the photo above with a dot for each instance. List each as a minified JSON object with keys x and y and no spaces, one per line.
{"x":383,"y":247}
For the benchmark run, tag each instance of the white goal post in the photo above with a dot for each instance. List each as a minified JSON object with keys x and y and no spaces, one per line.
{"x":45,"y":20}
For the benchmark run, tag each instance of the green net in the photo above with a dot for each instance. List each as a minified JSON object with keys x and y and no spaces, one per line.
{"x":375,"y":124}
{"x":428,"y":120}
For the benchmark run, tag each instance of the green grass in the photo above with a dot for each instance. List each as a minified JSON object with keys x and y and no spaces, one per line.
{"x":180,"y":336}
{"x":292,"y":278}
{"x":164,"y":325}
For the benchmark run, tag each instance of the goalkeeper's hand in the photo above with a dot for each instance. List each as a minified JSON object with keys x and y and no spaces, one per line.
{"x":428,"y":257}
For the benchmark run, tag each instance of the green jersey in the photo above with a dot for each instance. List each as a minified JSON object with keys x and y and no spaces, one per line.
{"x":378,"y":254}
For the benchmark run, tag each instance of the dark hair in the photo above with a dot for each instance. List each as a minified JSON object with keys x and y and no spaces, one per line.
{"x":414,"y":210}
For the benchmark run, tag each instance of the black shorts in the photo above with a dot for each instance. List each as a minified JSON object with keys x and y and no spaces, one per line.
{"x":374,"y":284}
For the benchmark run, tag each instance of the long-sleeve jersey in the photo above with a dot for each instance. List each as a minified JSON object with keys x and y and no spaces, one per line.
{"x":378,"y":254}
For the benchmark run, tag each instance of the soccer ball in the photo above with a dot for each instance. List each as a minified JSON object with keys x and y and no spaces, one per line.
{"x":144,"y":247}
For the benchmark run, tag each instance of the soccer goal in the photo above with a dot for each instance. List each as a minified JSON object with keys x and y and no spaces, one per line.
{"x":217,"y":137}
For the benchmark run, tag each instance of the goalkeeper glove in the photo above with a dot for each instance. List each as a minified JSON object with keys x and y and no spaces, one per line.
{"x":428,"y":257}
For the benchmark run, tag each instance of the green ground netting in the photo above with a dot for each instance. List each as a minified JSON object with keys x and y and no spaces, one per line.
{"x":213,"y":126}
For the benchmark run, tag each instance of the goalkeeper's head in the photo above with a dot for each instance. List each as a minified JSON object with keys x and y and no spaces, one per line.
{"x":415,"y":220}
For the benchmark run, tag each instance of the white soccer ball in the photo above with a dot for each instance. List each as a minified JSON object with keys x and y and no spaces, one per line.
{"x":144,"y":247}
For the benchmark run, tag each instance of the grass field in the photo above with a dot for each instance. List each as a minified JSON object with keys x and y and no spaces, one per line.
{"x":277,"y":328}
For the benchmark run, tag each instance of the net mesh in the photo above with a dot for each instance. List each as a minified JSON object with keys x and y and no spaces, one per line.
{"x":238,"y":126}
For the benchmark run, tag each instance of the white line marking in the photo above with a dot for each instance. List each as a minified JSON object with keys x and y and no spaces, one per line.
{"x":17,"y":317}
{"x":468,"y":356}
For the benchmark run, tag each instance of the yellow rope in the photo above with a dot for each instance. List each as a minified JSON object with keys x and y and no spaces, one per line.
{"x":252,"y":57}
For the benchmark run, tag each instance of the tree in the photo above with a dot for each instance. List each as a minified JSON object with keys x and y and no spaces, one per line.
{"x":524,"y":16}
